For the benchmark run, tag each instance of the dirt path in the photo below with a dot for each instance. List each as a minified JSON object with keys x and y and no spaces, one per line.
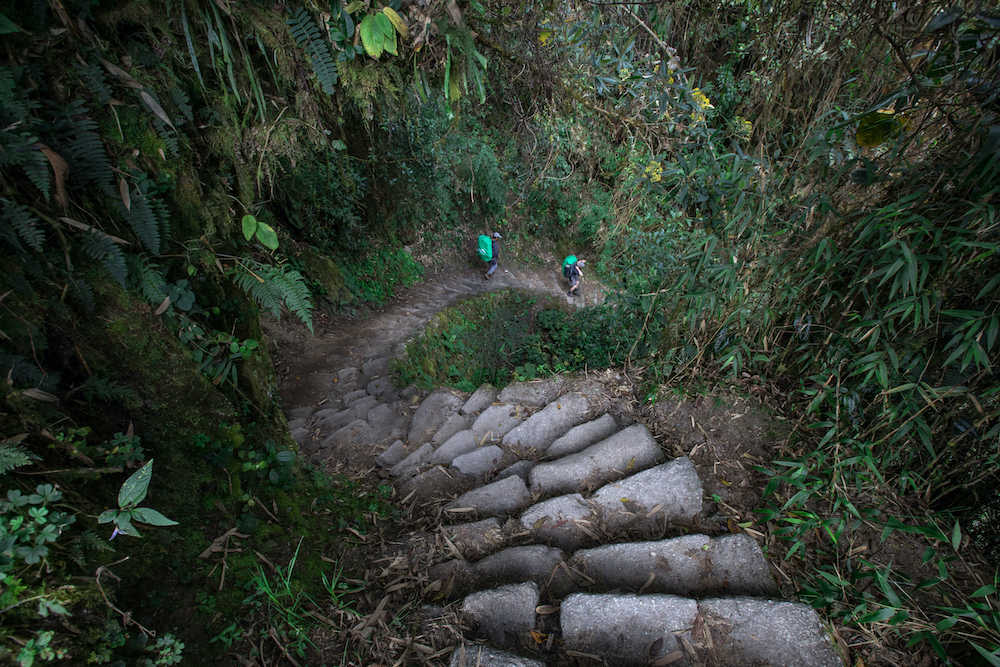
{"x":306,"y":364}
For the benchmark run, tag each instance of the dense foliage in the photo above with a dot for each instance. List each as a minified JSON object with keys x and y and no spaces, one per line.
{"x":797,"y":198}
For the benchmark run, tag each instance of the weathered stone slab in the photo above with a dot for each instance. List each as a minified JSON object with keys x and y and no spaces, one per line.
{"x":379,"y":386}
{"x":691,"y":565}
{"x":497,"y":498}
{"x":458,"y":444}
{"x":629,"y":629}
{"x":535,"y":393}
{"x":477,"y":539}
{"x":331,"y":419}
{"x":746,"y":631}
{"x":432,"y":484}
{"x":626,"y":451}
{"x":472,"y":655}
{"x":413,"y":461}
{"x":672,"y":489}
{"x":432,"y":413}
{"x":520,"y":468}
{"x":375,"y":367}
{"x":495,"y":421}
{"x":352,"y":396}
{"x":582,"y":436}
{"x":301,"y":413}
{"x":395,"y":453}
{"x":357,"y":432}
{"x":347,"y":375}
{"x":480,"y":461}
{"x":481,"y":399}
{"x":534,"y":562}
{"x":386,"y":422}
{"x":296,"y":423}
{"x":554,"y":521}
{"x":360,"y":407}
{"x":534,"y":435}
{"x":457,"y":422}
{"x":504,"y":615}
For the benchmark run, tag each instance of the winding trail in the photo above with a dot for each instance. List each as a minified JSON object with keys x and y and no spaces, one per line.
{"x":307,"y":365}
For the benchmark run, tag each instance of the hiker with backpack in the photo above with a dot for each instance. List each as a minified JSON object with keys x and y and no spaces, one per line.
{"x":489,"y":249}
{"x":573,"y":271}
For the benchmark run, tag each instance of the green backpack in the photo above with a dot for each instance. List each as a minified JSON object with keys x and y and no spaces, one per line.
{"x":485,"y":248}
{"x":568,"y":262}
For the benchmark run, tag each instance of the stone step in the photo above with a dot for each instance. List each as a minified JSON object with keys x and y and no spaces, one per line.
{"x":459,"y":443}
{"x":612,"y":458}
{"x":535,"y":393}
{"x":454,"y":424}
{"x":471,"y":655}
{"x":582,"y":436}
{"x":545,"y":566}
{"x":496,"y":421}
{"x":624,"y":629}
{"x":691,"y":565}
{"x":481,"y":399}
{"x":504,"y":615}
{"x":532,"y":437}
{"x":498,"y":498}
{"x":433,"y":412}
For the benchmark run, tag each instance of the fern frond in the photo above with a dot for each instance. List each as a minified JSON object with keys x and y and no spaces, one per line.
{"x":100,"y":247}
{"x":142,"y":220}
{"x":21,"y":149}
{"x":307,"y":35}
{"x":15,"y":107}
{"x":272,"y":287}
{"x":11,"y":457}
{"x":87,"y":158}
{"x":183,"y":104}
{"x":148,"y":279}
{"x":92,"y":75}
{"x":21,"y":226}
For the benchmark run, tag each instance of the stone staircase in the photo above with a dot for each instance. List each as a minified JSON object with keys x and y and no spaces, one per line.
{"x":573,"y":538}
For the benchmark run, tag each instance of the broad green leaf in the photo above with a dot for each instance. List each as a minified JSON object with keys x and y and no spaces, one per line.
{"x":107,"y":516}
{"x":266,"y":235}
{"x":389,"y":42}
{"x":371,"y":36}
{"x":956,"y":536}
{"x":249,"y":226}
{"x":152,"y":517}
{"x":354,"y":6}
{"x":135,"y":487}
{"x":384,"y":24}
{"x":397,"y":21}
{"x":338,"y":145}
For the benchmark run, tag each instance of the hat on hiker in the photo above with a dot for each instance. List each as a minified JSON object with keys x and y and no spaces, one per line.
{"x":581,"y":262}
{"x":496,"y":235}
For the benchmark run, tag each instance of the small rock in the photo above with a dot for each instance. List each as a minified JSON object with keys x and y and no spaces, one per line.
{"x":458,"y":444}
{"x":413,"y":461}
{"x":497,"y":498}
{"x":379,"y":386}
{"x":395,"y":453}
{"x":457,"y":422}
{"x":536,"y":433}
{"x":473,"y":655}
{"x":535,"y":393}
{"x":582,"y":436}
{"x":495,"y":421}
{"x":432,"y":413}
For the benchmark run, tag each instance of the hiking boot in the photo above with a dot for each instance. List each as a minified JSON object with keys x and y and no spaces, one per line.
{"x":486,"y":276}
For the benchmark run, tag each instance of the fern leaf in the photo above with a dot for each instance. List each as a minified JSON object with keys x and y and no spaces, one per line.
{"x":307,"y":35}
{"x":100,"y":247}
{"x":142,"y":220}
{"x":92,"y":75}
{"x":25,"y":226}
{"x":274,"y":287}
{"x":21,"y":149}
{"x":82,"y":294}
{"x":148,"y":278}
{"x":87,"y":157}
{"x":11,"y":457}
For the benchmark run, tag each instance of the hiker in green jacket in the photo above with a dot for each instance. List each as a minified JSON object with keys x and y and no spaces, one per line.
{"x":573,"y":271}
{"x":489,"y":249}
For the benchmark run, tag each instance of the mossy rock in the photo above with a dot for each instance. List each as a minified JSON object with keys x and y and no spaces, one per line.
{"x":325,"y":272}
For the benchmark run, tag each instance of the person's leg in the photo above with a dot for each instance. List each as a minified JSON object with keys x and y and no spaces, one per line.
{"x":492,"y":268}
{"x":574,"y":284}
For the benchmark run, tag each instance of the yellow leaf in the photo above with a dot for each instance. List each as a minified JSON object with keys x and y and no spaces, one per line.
{"x":396,"y":19}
